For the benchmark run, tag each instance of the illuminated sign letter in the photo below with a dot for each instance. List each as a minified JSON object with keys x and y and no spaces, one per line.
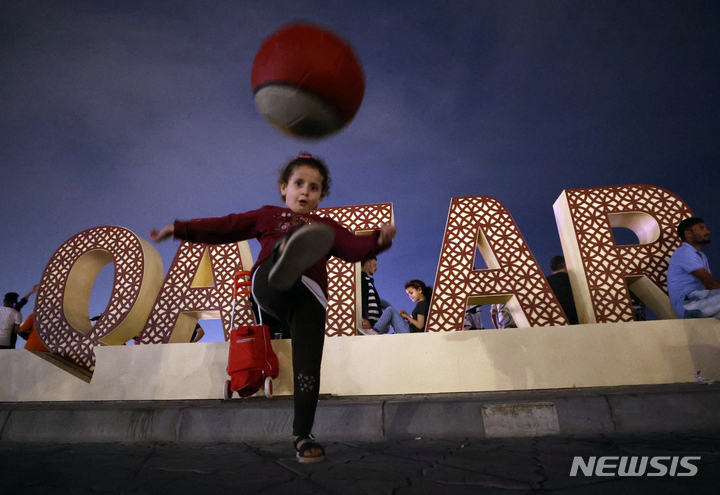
{"x":61,"y":309}
{"x":513,"y":276}
{"x":199,"y":285}
{"x":344,"y":278}
{"x":601,"y":271}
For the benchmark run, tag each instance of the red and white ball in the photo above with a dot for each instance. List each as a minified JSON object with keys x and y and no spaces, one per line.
{"x":307,"y":81}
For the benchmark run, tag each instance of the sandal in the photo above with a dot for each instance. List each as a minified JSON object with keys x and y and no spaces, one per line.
{"x":308,"y":445}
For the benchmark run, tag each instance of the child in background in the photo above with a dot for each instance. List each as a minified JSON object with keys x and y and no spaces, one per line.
{"x":289,"y":277}
{"x":401,"y":321}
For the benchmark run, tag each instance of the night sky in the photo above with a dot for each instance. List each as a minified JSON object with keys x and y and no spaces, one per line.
{"x":135,"y":113}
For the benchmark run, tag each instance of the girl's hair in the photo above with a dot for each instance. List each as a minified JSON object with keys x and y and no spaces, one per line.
{"x":306,"y":159}
{"x":420,"y":285}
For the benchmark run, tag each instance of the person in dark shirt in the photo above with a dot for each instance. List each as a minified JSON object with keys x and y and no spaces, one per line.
{"x":420,"y":294}
{"x":401,"y":321}
{"x":22,"y":302}
{"x":371,"y":305}
{"x":560,"y":284}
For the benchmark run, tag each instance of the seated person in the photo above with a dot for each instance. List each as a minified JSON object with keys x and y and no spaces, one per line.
{"x":29,"y":333}
{"x":10,"y":320}
{"x":401,"y":321}
{"x":372,"y":304}
{"x":501,"y":316}
{"x":473,"y":318}
{"x":560,"y":284}
{"x":18,"y":306}
{"x":694,"y":292}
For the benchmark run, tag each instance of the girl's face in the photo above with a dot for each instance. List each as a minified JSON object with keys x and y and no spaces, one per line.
{"x":303,"y":190}
{"x":415,"y":294}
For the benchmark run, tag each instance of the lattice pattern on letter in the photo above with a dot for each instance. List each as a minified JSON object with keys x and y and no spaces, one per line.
{"x":607,"y":265}
{"x":53,"y":328}
{"x":516,"y":273}
{"x":342,"y":298}
{"x":178,"y":296}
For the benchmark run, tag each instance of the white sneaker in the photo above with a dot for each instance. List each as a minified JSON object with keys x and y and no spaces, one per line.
{"x":368,"y":331}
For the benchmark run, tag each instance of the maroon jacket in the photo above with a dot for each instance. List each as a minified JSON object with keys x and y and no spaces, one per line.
{"x":268,"y":225}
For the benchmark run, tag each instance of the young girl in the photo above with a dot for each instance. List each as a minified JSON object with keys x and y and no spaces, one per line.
{"x":402,"y":322}
{"x":289,"y":277}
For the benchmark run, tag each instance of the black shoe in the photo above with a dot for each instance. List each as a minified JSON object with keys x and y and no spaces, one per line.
{"x":302,"y":249}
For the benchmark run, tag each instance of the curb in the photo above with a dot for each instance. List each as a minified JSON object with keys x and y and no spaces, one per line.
{"x":630,"y":409}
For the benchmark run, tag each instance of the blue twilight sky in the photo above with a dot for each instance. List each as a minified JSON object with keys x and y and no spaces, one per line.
{"x":135,"y":113}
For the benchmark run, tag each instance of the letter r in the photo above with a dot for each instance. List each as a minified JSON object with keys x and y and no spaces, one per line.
{"x":600,"y":271}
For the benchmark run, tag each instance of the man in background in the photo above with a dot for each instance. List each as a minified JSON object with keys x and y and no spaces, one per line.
{"x":694,"y":292}
{"x":560,"y":284}
{"x":10,"y":320}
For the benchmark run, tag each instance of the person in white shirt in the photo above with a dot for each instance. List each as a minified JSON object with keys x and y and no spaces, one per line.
{"x":10,"y":320}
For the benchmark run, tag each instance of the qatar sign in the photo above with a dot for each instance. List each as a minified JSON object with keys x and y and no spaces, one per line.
{"x":163,"y":308}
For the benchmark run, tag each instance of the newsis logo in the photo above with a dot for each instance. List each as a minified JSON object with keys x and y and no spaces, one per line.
{"x":635,"y":466}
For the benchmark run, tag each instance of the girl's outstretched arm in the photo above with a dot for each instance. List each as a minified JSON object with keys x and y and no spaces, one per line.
{"x":165,"y":233}
{"x":352,"y":247}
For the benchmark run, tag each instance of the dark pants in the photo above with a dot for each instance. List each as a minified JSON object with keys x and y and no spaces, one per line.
{"x":300,"y":310}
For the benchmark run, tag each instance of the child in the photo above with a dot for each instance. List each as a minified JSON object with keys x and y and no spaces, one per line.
{"x":289,"y":276}
{"x":402,"y":322}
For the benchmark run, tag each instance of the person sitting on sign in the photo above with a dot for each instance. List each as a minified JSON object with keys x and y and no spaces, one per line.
{"x":401,"y":321}
{"x":372,"y":304}
{"x":694,"y":292}
{"x":560,"y":284}
{"x":10,"y":320}
{"x":501,"y":317}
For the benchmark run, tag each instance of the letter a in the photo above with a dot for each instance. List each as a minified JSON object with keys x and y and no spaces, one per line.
{"x":513,"y":277}
{"x":199,"y":284}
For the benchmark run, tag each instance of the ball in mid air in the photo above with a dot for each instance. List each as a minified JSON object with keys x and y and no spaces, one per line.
{"x":307,"y":81}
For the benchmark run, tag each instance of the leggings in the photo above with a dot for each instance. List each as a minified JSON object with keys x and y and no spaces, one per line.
{"x":300,"y":310}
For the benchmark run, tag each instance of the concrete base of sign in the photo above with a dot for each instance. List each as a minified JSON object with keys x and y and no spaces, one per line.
{"x":594,"y":355}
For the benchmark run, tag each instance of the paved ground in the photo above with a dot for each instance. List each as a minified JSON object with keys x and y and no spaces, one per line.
{"x":457,"y":467}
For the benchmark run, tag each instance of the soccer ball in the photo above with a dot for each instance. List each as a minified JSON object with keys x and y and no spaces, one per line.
{"x":307,"y":81}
